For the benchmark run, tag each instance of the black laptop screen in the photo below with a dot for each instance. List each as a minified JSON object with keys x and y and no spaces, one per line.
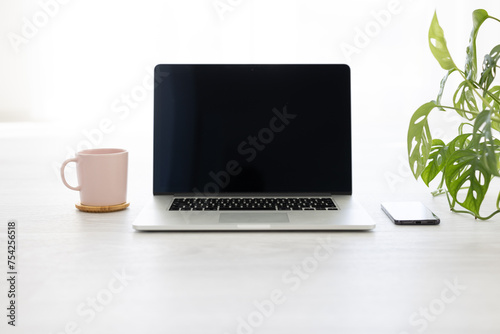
{"x":252,"y":129}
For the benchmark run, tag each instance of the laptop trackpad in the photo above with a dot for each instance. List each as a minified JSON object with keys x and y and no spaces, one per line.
{"x":260,"y":217}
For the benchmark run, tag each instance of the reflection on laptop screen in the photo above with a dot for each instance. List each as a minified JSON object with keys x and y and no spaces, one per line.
{"x":252,"y":129}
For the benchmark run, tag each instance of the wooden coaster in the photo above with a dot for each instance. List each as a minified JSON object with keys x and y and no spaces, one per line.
{"x":107,"y":208}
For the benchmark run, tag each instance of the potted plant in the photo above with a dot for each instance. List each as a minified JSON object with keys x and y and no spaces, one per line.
{"x":467,"y":164}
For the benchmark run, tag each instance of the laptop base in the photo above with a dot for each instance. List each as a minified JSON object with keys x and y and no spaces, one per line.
{"x":156,"y":217}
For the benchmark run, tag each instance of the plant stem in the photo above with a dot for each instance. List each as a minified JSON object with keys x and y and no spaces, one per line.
{"x":493,"y":117}
{"x":474,"y":89}
{"x":452,"y":208}
{"x":494,"y":18}
{"x":477,"y":217}
{"x":493,"y":97}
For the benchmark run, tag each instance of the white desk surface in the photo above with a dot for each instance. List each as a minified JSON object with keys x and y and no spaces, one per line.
{"x":92,"y":273}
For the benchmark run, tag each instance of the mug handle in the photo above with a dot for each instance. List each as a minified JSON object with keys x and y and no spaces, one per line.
{"x":62,"y":174}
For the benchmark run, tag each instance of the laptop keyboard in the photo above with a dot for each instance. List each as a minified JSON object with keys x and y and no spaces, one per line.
{"x":247,"y":203}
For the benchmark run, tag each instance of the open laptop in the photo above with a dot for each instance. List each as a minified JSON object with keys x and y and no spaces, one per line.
{"x":252,"y":147}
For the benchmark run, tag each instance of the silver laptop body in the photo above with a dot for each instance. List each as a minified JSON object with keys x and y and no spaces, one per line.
{"x":252,"y":147}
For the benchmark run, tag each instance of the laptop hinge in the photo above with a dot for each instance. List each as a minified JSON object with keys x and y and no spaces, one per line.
{"x":253,"y":195}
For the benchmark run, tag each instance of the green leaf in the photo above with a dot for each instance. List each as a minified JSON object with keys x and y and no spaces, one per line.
{"x":489,"y":67}
{"x":478,"y":17}
{"x":440,"y":154}
{"x":464,"y":100}
{"x":437,"y":44}
{"x":460,"y":142}
{"x":441,"y":87}
{"x":493,"y":97}
{"x":437,"y":161}
{"x":419,"y":138}
{"x":484,"y":142}
{"x":466,"y":169}
{"x":462,"y":126}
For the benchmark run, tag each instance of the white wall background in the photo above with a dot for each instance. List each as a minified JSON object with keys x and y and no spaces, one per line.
{"x":77,"y":57}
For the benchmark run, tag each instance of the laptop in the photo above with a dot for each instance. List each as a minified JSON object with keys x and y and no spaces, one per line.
{"x":252,"y":147}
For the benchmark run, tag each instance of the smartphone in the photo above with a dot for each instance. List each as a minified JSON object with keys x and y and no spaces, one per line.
{"x":409,"y":213}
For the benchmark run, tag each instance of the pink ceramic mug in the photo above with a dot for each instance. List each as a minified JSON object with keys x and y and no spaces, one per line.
{"x":102,"y":176}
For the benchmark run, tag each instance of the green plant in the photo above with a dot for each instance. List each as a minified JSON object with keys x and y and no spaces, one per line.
{"x":469,"y":162}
